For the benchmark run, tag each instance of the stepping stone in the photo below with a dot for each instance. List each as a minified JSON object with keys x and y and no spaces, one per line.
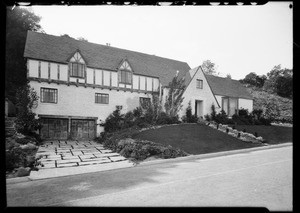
{"x":66,"y":165}
{"x":106,"y":151}
{"x":87,"y":156}
{"x":48,"y":165}
{"x":107,"y":154}
{"x":70,"y":157}
{"x":96,"y":160}
{"x":117,"y":158}
{"x":68,"y":161}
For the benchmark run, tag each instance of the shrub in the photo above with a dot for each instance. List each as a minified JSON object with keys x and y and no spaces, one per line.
{"x":26,"y":99}
{"x":189,"y":117}
{"x":221,"y":117}
{"x":115,"y":121}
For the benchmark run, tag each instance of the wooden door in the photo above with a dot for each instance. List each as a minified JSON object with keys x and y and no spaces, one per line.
{"x":82,"y":129}
{"x":54,"y":128}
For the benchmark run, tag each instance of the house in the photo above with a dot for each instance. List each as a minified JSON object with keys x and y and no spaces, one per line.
{"x":203,"y":91}
{"x":80,"y":83}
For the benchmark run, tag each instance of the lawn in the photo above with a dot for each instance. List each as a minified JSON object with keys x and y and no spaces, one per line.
{"x":272,"y":134}
{"x":194,"y":138}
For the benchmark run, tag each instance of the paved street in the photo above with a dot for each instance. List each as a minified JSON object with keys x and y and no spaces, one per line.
{"x":251,"y":179}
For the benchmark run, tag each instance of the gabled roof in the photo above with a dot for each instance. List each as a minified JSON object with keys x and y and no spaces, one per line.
{"x":60,"y":48}
{"x":227,"y":87}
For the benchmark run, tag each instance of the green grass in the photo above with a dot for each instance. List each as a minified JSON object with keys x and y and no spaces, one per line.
{"x":194,"y":138}
{"x":272,"y":134}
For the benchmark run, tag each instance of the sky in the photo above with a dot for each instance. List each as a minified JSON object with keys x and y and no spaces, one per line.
{"x":238,"y":39}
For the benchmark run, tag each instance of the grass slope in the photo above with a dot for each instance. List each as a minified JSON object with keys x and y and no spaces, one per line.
{"x":194,"y":138}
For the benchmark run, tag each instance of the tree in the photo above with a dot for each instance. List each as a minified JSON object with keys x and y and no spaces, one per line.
{"x":228,"y":76}
{"x":209,"y":67}
{"x":255,"y":80}
{"x":26,"y":99}
{"x":18,"y":22}
{"x":174,"y":98}
{"x":82,"y":39}
{"x":280,"y":81}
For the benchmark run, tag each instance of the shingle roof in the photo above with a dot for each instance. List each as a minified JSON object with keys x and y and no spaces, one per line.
{"x":227,"y":87}
{"x":60,"y":48}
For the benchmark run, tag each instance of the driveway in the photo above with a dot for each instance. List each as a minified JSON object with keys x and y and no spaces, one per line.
{"x":60,"y":158}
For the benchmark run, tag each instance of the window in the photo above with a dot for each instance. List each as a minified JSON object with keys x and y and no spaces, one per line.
{"x":125,"y":77}
{"x":48,"y":95}
{"x":144,"y":102}
{"x":199,"y":84}
{"x":125,"y":73}
{"x":77,"y":70}
{"x":230,"y":105}
{"x":101,"y":98}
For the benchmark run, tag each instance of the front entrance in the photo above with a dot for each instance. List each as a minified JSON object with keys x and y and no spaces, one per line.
{"x":199,"y":108}
{"x":82,"y":129}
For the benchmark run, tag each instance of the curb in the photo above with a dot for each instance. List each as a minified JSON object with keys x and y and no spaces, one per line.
{"x":17,"y":180}
{"x":215,"y":154}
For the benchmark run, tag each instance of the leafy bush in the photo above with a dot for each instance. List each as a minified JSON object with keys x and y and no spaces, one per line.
{"x":221,"y":117}
{"x":189,"y":117}
{"x":114,"y":121}
{"x":18,"y":157}
{"x":27,"y":99}
{"x":164,"y":118}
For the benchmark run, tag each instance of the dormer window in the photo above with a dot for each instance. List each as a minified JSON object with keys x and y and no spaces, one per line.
{"x":77,"y":70}
{"x":125,"y":73}
{"x":77,"y":66}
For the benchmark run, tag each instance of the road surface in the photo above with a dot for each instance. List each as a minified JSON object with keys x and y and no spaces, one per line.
{"x":252,"y":179}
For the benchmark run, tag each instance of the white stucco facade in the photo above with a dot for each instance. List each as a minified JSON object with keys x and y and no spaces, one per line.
{"x":204,"y":96}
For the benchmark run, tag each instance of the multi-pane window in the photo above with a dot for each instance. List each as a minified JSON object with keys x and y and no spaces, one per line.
{"x":101,"y":98}
{"x":230,"y":105}
{"x":77,"y":70}
{"x":125,"y":73}
{"x":125,"y":77}
{"x":48,"y":95}
{"x":144,"y":102}
{"x":199,"y":84}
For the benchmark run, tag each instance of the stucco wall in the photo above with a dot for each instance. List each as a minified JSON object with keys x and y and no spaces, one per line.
{"x":80,"y":101}
{"x":242,"y":103}
{"x":246,"y":104}
{"x":192,"y":93}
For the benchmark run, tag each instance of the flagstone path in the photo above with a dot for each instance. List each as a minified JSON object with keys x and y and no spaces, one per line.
{"x":56,"y":155}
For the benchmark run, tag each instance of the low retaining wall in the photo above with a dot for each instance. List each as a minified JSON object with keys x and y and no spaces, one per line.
{"x":244,"y":136}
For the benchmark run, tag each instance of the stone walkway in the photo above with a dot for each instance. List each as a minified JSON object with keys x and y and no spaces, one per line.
{"x":65,"y":157}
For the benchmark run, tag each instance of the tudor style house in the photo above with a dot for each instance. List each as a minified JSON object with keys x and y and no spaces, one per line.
{"x":80,"y":84}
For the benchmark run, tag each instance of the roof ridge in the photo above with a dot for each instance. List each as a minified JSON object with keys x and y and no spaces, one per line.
{"x":133,"y":51}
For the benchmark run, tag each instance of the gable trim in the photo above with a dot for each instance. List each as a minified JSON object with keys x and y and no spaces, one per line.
{"x":199,"y":67}
{"x":210,"y":87}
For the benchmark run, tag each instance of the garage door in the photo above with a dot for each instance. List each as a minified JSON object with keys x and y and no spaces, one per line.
{"x":54,"y":128}
{"x":82,"y":129}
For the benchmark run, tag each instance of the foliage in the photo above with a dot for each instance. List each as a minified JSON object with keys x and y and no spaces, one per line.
{"x":174,"y":98}
{"x":122,"y":142}
{"x":189,"y":117}
{"x":280,"y":81}
{"x":209,"y":67}
{"x":18,"y":22}
{"x":254,"y":79}
{"x":27,"y":100}
{"x":16,"y":156}
{"x":114,"y":121}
